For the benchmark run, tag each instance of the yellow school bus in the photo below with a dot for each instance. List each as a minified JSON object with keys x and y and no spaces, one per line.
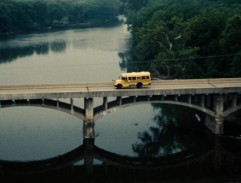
{"x":137,"y":79}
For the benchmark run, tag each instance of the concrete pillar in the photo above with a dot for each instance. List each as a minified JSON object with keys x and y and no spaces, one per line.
{"x":219,"y":105}
{"x":105,"y":102}
{"x":209,"y":102}
{"x":57,"y":103}
{"x":72,"y":105}
{"x":234,"y":101}
{"x":148,"y":97}
{"x":134,"y":99}
{"x":119,"y":100}
{"x":189,"y":99}
{"x":89,"y":109}
{"x":88,"y":128}
{"x":203,"y":101}
{"x":163,"y":97}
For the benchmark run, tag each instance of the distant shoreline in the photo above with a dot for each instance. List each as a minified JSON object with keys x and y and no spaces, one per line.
{"x":83,"y":25}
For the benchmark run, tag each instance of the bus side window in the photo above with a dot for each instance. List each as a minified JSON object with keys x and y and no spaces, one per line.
{"x":143,"y":77}
{"x":133,"y":78}
{"x":129,"y":78}
{"x":147,"y":77}
{"x":139,"y":78}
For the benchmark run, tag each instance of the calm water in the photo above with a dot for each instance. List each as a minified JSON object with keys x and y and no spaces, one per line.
{"x":84,"y":55}
{"x":72,"y":56}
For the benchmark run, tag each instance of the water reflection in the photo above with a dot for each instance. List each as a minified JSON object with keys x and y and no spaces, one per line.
{"x":209,"y":165}
{"x":175,"y":131}
{"x":57,"y":42}
{"x":168,"y":146}
{"x":58,"y":46}
{"x":11,"y":54}
{"x":144,"y":132}
{"x":64,"y":56}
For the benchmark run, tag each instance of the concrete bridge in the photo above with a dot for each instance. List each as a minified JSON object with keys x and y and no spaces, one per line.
{"x":218,"y":98}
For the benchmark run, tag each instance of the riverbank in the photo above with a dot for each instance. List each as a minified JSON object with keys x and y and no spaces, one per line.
{"x":84,"y":25}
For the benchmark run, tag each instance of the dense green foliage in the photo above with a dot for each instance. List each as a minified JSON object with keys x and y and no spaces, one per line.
{"x":186,"y":38}
{"x":25,"y":15}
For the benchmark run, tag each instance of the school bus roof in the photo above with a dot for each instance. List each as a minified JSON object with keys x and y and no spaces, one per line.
{"x":133,"y":74}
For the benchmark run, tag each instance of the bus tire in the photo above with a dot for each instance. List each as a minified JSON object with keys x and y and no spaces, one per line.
{"x":139,"y":85}
{"x":119,"y":86}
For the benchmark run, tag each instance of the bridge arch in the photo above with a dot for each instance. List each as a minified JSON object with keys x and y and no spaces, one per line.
{"x":232,"y":110}
{"x":102,"y":113}
{"x":198,"y":102}
{"x":46,"y":103}
{"x":218,"y":106}
{"x":99,"y":110}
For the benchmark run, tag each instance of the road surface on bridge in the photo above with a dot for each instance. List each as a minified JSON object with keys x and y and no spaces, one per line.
{"x":104,"y":86}
{"x":6,"y":91}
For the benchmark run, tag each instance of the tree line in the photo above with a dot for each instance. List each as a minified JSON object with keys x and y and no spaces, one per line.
{"x":185,"y":38}
{"x":28,"y":15}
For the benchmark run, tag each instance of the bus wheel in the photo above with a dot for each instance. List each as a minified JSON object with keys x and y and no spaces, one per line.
{"x":139,"y":85}
{"x":119,"y":86}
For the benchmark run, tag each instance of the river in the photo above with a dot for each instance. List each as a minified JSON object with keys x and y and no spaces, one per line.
{"x":85,"y":55}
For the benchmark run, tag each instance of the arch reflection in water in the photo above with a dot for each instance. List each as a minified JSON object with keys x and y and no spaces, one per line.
{"x":195,"y":163}
{"x":155,"y":158}
{"x":151,"y":130}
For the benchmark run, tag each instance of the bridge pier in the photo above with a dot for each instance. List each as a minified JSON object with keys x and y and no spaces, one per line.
{"x":57,"y":103}
{"x":72,"y":105}
{"x":234,"y":101}
{"x":119,"y":100}
{"x":203,"y":101}
{"x":88,"y":128}
{"x":219,"y":109}
{"x":105,"y":103}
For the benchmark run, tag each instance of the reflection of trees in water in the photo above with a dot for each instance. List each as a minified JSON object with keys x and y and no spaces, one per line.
{"x":13,"y":53}
{"x":58,"y":46}
{"x":123,"y":60}
{"x":175,"y":131}
{"x":41,"y":49}
{"x":127,"y":63}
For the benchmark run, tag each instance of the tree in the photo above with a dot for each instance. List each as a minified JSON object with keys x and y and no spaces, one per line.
{"x":231,"y":38}
{"x":231,"y":44}
{"x":134,"y":5}
{"x":205,"y":31}
{"x":27,"y":15}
